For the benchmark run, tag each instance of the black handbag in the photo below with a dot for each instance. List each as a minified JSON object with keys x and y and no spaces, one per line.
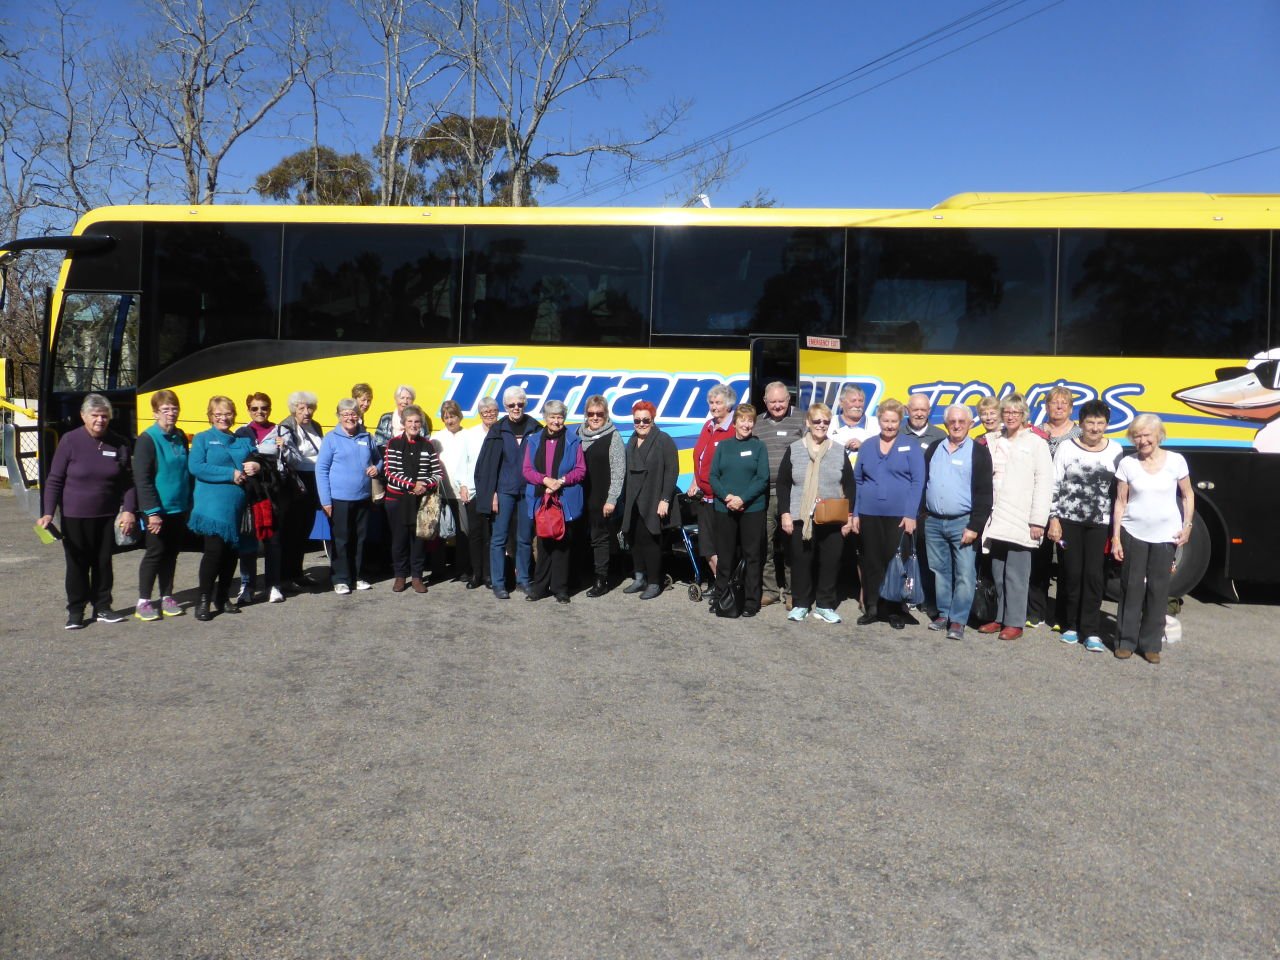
{"x":902,"y":582}
{"x":986,"y":602}
{"x":730,"y":602}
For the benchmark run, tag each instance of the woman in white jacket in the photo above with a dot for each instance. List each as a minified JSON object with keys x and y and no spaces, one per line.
{"x":1023,"y":482}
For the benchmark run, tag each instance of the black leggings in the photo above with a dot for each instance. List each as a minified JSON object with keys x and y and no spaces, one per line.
{"x":161,"y":556}
{"x":880,"y":538}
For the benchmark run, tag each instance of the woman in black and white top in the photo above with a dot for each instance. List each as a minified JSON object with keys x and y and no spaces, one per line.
{"x":412,"y":470}
{"x":1084,"y":469}
{"x":298,"y":440}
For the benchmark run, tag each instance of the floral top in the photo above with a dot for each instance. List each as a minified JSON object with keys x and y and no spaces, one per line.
{"x":1085,"y":482}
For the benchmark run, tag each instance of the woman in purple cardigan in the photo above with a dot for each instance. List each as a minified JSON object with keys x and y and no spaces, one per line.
{"x":91,"y":481}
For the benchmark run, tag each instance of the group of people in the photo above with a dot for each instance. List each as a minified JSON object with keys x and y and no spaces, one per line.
{"x":788,"y":506}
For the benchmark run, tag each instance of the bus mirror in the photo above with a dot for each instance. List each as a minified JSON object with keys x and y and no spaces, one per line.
{"x":5,"y":257}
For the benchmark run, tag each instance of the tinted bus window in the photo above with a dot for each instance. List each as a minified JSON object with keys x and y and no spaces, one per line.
{"x":718,"y":281}
{"x":209,"y":283}
{"x":370,"y":282}
{"x":1164,"y":293}
{"x":951,"y":291}
{"x":571,"y":285}
{"x":113,"y":269}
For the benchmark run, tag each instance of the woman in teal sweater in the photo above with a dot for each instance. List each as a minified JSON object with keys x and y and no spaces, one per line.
{"x":219,"y":461}
{"x":740,"y":485}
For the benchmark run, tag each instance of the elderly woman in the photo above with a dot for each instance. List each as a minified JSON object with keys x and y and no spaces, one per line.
{"x":451,"y":447}
{"x":989,"y":416}
{"x":501,"y":489}
{"x":362,"y":394}
{"x":719,"y":427}
{"x":261,"y":432}
{"x":1058,"y":428}
{"x":815,"y":469}
{"x":90,"y":482}
{"x":1154,"y":510}
{"x":346,"y":464}
{"x":554,"y":468}
{"x":163,"y":482}
{"x":412,"y":470}
{"x":219,"y":461}
{"x":392,"y":424}
{"x":299,"y":438}
{"x":1023,"y":486}
{"x":740,"y":485}
{"x":606,"y":460}
{"x":889,"y":475}
{"x":478,"y":523}
{"x":653,"y":469}
{"x":1084,"y":480}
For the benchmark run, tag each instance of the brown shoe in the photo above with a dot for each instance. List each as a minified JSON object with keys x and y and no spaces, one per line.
{"x":1011,"y":633}
{"x":767,"y":601}
{"x":992,"y":627}
{"x":398,"y":585}
{"x":418,"y":585}
{"x":1151,"y":657}
{"x":1122,"y":654}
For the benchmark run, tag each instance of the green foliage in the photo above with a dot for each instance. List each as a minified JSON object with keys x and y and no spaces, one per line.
{"x":320,"y":176}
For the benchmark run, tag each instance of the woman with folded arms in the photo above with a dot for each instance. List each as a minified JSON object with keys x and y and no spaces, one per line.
{"x":163,"y":483}
{"x":814,"y":469}
{"x":653,"y":469}
{"x":299,"y":438}
{"x":1154,"y":509}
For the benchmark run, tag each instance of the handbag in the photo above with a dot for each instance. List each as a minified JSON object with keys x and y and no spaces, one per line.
{"x":428,"y":522}
{"x":126,"y":539}
{"x":902,"y":580}
{"x":730,"y":602}
{"x":548,"y":518}
{"x":448,"y":521}
{"x":832,"y":510}
{"x":986,"y":602}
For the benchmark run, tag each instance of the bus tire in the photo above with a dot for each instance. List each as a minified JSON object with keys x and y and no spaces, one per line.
{"x":1192,"y":561}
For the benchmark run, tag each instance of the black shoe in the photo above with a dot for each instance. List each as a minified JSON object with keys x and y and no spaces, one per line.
{"x":475,"y":583}
{"x":107,"y":615}
{"x":748,"y":612}
{"x":534,"y":596}
{"x":245,"y":597}
{"x":500,"y":594}
{"x":651,"y":591}
{"x":75,"y":621}
{"x":599,"y":588}
{"x":562,"y":598}
{"x":897,"y":621}
{"x":203,"y":613}
{"x":522,"y":588}
{"x":636,"y":585}
{"x":866,"y":620}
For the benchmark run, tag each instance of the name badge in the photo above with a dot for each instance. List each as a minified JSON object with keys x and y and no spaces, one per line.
{"x":957,"y":463}
{"x":108,"y":453}
{"x":784,"y":433}
{"x":745,"y":453}
{"x":906,"y":449}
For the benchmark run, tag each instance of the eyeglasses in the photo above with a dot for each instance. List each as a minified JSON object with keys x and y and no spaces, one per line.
{"x":259,"y":409}
{"x":167,"y":410}
{"x":820,"y":423}
{"x":640,"y":421}
{"x":223,"y":415}
{"x":350,"y":416}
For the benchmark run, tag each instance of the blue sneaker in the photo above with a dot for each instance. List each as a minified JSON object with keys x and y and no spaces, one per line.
{"x":1069,"y":636}
{"x":827,"y":614}
{"x":798,"y":614}
{"x":1095,"y":645}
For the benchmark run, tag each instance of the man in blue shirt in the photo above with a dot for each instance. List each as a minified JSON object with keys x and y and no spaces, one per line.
{"x":957,"y":503}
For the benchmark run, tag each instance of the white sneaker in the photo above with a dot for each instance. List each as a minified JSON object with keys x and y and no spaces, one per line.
{"x":827,"y":614}
{"x":276,"y":596}
{"x":363,"y":585}
{"x":341,"y":589}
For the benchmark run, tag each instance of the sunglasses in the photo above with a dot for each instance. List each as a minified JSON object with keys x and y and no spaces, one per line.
{"x":594,"y":414}
{"x":820,"y":423}
{"x":638,"y":421}
{"x":259,"y":409}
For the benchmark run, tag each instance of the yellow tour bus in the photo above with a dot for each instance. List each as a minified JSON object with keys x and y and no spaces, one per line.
{"x":1160,"y":303}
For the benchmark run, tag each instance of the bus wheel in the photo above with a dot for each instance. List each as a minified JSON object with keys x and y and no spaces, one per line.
{"x":1192,"y":560}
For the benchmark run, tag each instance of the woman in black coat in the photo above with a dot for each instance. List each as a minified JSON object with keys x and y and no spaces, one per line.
{"x":653,"y":468}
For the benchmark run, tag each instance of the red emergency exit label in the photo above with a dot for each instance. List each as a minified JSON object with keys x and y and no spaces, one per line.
{"x":822,"y":343}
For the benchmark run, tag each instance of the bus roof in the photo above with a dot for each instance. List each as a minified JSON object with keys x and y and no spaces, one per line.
{"x":1010,"y":210}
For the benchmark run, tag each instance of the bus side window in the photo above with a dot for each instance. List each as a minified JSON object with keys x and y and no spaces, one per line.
{"x":97,"y":345}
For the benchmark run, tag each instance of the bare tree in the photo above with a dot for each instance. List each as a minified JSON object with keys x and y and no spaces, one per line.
{"x":221,"y":66}
{"x":411,"y":59}
{"x":705,"y":175}
{"x":531,"y":59}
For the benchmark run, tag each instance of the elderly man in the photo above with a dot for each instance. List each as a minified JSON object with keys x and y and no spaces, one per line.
{"x":850,"y":428}
{"x":720,"y":403}
{"x":778,"y":428}
{"x":918,"y":427}
{"x":957,"y":503}
{"x":500,"y":487}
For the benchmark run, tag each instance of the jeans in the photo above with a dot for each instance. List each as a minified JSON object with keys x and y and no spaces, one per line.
{"x":954,"y":572}
{"x":350,"y":523}
{"x":511,"y":508}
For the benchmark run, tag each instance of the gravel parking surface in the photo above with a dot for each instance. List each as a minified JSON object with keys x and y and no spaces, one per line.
{"x":392,"y":776}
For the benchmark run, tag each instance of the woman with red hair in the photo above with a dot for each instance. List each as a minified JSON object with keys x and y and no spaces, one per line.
{"x":653,"y":469}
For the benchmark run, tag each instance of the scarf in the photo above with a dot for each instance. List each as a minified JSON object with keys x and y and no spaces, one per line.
{"x":587,"y":436}
{"x":809,"y":495}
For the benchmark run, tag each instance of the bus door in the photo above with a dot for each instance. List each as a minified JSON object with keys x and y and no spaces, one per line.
{"x":96,"y":351}
{"x":774,"y":358}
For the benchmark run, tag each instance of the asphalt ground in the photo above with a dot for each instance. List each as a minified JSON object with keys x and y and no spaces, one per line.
{"x":453,"y":776}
